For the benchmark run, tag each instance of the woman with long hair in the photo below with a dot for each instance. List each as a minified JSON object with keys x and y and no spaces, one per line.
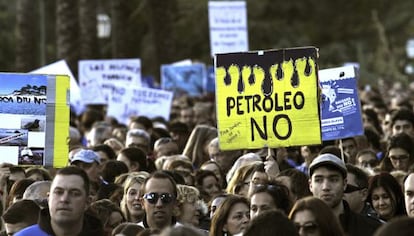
{"x":231,"y":218}
{"x":385,"y":196}
{"x":312,"y":216}
{"x":130,"y":203}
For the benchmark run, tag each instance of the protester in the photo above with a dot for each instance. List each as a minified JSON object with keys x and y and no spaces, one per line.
{"x":38,"y":192}
{"x":180,"y":133}
{"x":165,"y":147}
{"x":216,"y":169}
{"x":400,"y":153}
{"x":134,"y":158}
{"x":197,"y":145}
{"x":187,"y":198}
{"x":216,"y":203}
{"x":269,"y":196}
{"x":68,"y":201}
{"x":38,"y":173}
{"x":409,"y":194}
{"x":105,"y":152}
{"x":109,"y":213}
{"x":403,"y":226}
{"x":240,"y":182}
{"x":313,"y":216}
{"x":127,"y":229}
{"x":182,"y":230}
{"x":366,"y":159}
{"x":208,"y":184}
{"x":308,"y":152}
{"x":328,"y":176}
{"x":225,"y":159}
{"x":158,"y":196}
{"x":356,"y":192}
{"x":296,"y":181}
{"x":271,"y":223}
{"x":350,"y":148}
{"x":89,"y":161}
{"x":231,"y":218}
{"x":17,"y":190}
{"x":385,"y":196}
{"x":138,"y":138}
{"x":131,"y":205}
{"x":20,"y":215}
{"x":100,"y":132}
{"x":402,"y":121}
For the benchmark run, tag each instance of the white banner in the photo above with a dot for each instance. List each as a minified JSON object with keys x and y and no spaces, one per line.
{"x":98,"y":78}
{"x":228,"y":26}
{"x":128,"y":102}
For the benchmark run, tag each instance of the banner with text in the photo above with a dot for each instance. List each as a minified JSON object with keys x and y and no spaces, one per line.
{"x":148,"y":102}
{"x":267,"y":98}
{"x":98,"y":78}
{"x":34,"y":114}
{"x":228,"y":26}
{"x":341,"y":110}
{"x":184,"y":79}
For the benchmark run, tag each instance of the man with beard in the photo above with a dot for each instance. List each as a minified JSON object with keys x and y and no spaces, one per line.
{"x":328,"y":181}
{"x":68,"y":200}
{"x":158,"y":198}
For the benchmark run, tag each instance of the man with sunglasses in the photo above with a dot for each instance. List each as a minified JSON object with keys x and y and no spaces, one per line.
{"x":356,"y":192}
{"x":328,"y":181}
{"x":158,"y":196}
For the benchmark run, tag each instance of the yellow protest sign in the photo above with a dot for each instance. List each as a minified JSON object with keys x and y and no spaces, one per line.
{"x":267,"y":98}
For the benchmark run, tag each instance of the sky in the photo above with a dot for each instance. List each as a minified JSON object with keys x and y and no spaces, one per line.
{"x":11,"y":82}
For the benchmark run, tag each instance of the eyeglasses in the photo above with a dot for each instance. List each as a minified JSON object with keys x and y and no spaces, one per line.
{"x":371,"y":163}
{"x":399,"y":157}
{"x":152,"y":198}
{"x":352,"y":188}
{"x":308,"y":228}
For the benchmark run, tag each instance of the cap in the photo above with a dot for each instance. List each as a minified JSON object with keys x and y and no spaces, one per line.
{"x":328,"y":159}
{"x":87,"y":156}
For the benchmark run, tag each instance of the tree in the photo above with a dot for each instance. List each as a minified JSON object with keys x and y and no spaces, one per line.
{"x":162,"y":19}
{"x":26,"y":39}
{"x":120,"y":14}
{"x":67,"y":29}
{"x":88,"y":39}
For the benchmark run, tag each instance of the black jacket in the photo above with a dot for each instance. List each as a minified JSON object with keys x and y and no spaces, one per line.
{"x":355,"y":224}
{"x":91,"y":224}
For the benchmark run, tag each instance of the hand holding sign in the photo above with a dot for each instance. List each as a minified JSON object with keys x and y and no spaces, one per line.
{"x":270,"y":165}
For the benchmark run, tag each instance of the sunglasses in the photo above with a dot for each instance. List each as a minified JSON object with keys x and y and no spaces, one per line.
{"x":152,"y":198}
{"x":352,"y":188}
{"x":308,"y":228}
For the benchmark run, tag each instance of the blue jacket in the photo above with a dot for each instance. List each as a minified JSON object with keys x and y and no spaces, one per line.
{"x":91,"y":226}
{"x":32,"y":230}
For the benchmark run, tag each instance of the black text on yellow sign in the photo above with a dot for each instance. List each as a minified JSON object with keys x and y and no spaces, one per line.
{"x":267,"y":99}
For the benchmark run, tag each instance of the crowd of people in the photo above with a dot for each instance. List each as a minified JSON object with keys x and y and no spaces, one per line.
{"x":157,"y":177}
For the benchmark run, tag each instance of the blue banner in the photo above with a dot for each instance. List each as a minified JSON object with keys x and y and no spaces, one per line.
{"x":340,"y":106}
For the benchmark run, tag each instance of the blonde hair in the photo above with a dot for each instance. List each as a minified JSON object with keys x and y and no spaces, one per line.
{"x":131,"y":179}
{"x":240,"y":176}
{"x":187,"y":194}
